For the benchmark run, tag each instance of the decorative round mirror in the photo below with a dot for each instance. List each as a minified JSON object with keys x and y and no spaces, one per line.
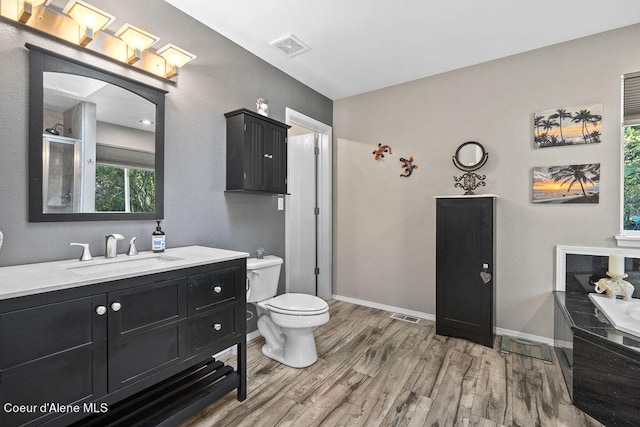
{"x":470,"y":156}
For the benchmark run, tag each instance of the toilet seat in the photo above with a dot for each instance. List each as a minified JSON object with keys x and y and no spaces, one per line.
{"x":295,"y":304}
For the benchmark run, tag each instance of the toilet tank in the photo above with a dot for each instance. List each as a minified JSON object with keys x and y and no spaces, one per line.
{"x":262,"y":277}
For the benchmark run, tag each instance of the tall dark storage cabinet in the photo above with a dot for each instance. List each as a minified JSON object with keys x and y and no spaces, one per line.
{"x":256,"y":153}
{"x":465,"y":248}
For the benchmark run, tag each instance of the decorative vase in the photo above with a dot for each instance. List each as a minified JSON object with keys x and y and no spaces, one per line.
{"x":262,"y":105}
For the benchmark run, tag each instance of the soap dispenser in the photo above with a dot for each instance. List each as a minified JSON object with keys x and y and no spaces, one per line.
{"x":158,"y":242}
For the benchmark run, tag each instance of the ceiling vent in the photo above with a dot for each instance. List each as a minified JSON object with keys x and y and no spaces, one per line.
{"x":290,"y":45}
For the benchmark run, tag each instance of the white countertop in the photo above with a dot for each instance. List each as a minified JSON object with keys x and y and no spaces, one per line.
{"x":465,"y":196}
{"x":27,"y":279}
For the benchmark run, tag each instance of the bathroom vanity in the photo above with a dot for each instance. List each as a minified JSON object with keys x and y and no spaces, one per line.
{"x":126,"y":340}
{"x":600,"y":364}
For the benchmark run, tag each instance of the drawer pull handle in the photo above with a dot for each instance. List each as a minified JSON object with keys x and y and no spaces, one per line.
{"x":217,"y":289}
{"x":116,"y":306}
{"x":101,"y":310}
{"x":217,"y":326}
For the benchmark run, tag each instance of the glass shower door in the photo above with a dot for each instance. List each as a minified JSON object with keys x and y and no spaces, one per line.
{"x":62,"y":174}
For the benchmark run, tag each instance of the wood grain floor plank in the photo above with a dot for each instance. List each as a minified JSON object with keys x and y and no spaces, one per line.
{"x":376,"y":371}
{"x":449,"y":389}
{"x":492,"y":399}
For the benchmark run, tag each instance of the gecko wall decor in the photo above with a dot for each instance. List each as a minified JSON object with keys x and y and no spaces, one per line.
{"x":408,"y":166}
{"x":379,"y":152}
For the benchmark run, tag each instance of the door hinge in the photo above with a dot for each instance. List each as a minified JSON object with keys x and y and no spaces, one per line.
{"x":245,"y":175}
{"x":316,"y":151}
{"x":316,"y":271}
{"x":245,"y":126}
{"x":316,"y":211}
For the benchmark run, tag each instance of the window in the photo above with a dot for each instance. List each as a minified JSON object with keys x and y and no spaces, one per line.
{"x":124,"y":189}
{"x":631,"y":155}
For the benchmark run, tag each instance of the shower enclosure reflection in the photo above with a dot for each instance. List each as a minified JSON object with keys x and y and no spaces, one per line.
{"x":62,"y":174}
{"x":103,"y":160}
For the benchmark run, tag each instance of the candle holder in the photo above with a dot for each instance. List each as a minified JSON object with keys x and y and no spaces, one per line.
{"x":614,"y":286}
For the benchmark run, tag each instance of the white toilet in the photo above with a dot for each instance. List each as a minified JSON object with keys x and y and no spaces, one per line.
{"x":286,"y":321}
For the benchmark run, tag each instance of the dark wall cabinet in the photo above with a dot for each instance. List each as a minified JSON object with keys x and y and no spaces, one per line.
{"x":256,"y":153}
{"x":140,"y":346}
{"x":465,"y":248}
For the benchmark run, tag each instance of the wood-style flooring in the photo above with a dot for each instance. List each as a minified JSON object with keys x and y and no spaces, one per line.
{"x":373,"y":370}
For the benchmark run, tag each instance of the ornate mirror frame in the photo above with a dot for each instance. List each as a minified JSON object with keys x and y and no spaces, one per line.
{"x":468,"y":168}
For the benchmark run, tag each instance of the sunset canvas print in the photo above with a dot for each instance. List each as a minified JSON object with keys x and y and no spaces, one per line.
{"x":567,"y":184}
{"x":567,"y":126}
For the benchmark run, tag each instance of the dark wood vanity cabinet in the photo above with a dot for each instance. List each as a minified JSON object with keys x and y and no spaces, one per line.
{"x":141,"y":347}
{"x":256,"y":153}
{"x":465,"y":248}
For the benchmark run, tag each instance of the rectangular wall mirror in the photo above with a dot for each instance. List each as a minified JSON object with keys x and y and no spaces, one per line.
{"x":96,"y":143}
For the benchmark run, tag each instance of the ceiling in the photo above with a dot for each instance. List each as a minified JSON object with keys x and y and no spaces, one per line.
{"x":113,"y":104}
{"x":361,"y":45}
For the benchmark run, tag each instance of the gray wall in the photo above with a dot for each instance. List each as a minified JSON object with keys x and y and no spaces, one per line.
{"x":224,"y":77}
{"x":385,"y":225}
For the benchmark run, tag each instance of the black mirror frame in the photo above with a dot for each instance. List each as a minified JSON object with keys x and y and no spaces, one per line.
{"x":478,"y":165}
{"x":41,"y":60}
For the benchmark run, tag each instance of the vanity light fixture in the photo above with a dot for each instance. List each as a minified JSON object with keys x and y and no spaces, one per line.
{"x":26,"y":8}
{"x":90,"y":18}
{"x":135,"y":39}
{"x":175,"y":57}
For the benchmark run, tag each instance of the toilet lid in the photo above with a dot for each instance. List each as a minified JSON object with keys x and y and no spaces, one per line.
{"x":301,"y":304}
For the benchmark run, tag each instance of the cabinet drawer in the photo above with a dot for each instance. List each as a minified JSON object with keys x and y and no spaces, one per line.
{"x":209,"y":290}
{"x":209,"y":329}
{"x":65,"y":378}
{"x":58,"y":326}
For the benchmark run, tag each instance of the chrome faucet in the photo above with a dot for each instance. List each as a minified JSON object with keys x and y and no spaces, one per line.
{"x":132,"y":247}
{"x":86,"y":253}
{"x":111,"y":241}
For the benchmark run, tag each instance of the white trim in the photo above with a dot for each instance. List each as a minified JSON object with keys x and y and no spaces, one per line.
{"x":561,"y":259}
{"x":428,"y":316}
{"x":234,"y":349}
{"x":530,"y":337}
{"x":253,"y":335}
{"x":385,"y":307}
{"x":467,"y":196}
{"x":628,"y":240}
{"x":325,"y":227}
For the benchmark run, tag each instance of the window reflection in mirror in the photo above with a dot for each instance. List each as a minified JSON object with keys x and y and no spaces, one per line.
{"x":102,"y":158}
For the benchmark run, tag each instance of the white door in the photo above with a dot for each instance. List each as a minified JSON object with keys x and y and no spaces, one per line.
{"x":301,"y":204}
{"x":308,"y":247}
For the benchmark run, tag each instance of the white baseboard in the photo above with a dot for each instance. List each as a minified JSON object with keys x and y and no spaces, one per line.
{"x":250,"y":337}
{"x":385,"y":307}
{"x":429,"y":316}
{"x":253,"y":335}
{"x":530,"y":337}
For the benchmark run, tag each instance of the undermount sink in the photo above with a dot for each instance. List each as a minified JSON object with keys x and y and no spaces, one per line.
{"x":623,"y":315}
{"x":121,"y":264}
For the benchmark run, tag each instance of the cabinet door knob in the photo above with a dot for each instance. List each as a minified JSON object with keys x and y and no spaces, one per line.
{"x":217,"y":289}
{"x":116,"y":306}
{"x":101,"y":310}
{"x":268,"y":156}
{"x":217,"y":326}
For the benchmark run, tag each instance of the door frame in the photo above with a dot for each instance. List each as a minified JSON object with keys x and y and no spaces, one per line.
{"x":325,"y":231}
